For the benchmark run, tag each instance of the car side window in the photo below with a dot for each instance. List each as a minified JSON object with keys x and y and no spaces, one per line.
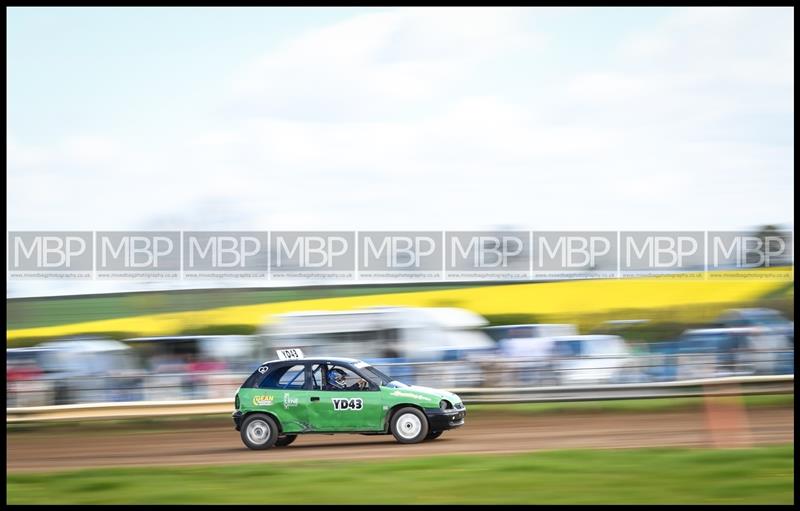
{"x":342,"y":378}
{"x":316,"y":376}
{"x":568,"y":349}
{"x":290,"y":377}
{"x":293,"y":378}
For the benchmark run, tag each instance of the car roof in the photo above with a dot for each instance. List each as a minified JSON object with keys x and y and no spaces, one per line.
{"x":343,"y":360}
{"x":586,"y":337}
{"x":527,"y":325}
{"x":717,"y":331}
{"x":180,"y":338}
{"x":754,"y":310}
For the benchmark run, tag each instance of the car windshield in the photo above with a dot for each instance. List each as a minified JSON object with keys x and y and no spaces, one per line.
{"x":602,"y":347}
{"x":569,"y":348}
{"x":769,"y":318}
{"x":384,"y":379}
{"x":704,"y":343}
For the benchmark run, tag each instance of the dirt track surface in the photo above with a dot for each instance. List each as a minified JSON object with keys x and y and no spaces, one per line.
{"x":214,"y":442}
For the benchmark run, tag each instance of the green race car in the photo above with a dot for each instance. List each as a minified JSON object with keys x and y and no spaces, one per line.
{"x":296,"y":395}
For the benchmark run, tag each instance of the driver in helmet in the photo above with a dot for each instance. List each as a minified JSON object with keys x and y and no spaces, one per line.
{"x":336,"y":381}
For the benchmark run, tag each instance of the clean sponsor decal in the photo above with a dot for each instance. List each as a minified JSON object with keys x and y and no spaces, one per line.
{"x":263,"y":369}
{"x":262,"y":400}
{"x":289,"y":401}
{"x":398,"y":393}
{"x":348,"y":404}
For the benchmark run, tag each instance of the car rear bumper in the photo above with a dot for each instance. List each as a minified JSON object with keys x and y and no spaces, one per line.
{"x":237,"y":419}
{"x":440,"y":420}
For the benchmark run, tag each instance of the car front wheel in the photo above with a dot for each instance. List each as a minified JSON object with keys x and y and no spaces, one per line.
{"x":259,"y":431}
{"x":409,"y":426}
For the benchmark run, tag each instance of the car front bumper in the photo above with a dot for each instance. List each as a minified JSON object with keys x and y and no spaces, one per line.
{"x":440,"y":420}
{"x":237,"y":419}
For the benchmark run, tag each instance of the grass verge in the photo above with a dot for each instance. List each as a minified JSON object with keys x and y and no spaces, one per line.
{"x":762,"y":475}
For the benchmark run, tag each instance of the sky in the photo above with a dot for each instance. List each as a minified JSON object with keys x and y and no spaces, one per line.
{"x":399,"y":118}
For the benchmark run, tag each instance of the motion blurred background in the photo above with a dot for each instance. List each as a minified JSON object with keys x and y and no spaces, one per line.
{"x":666,"y":389}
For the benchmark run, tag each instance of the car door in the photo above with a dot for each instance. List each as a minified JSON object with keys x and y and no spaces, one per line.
{"x":286,"y":395}
{"x":343,"y":410}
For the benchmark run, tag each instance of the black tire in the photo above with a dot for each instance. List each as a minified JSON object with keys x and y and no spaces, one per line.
{"x":433,"y":435}
{"x":409,"y":425}
{"x":259,"y":431}
{"x":285,"y":440}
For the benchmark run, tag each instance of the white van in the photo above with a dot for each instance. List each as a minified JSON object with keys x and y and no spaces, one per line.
{"x":390,"y":335}
{"x":413,"y":333}
{"x":585,"y":359}
{"x":528,"y":340}
{"x":525,"y":351}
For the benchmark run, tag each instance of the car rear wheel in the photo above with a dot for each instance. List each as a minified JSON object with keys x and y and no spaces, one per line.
{"x":433,"y":435}
{"x":259,"y":431}
{"x":285,"y":440}
{"x":409,"y":426}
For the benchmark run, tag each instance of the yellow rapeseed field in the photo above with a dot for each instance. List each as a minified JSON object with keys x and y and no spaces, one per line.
{"x":547,"y":301}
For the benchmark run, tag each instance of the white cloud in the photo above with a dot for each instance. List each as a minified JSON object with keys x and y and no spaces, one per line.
{"x":753,"y":45}
{"x":379,"y":64}
{"x":90,"y":149}
{"x":373,"y":123}
{"x":403,"y":119}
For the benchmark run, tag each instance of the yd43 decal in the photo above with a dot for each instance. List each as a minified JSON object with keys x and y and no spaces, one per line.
{"x":348,"y":404}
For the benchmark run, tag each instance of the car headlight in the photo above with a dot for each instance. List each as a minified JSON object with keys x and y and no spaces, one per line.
{"x":445,"y":405}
